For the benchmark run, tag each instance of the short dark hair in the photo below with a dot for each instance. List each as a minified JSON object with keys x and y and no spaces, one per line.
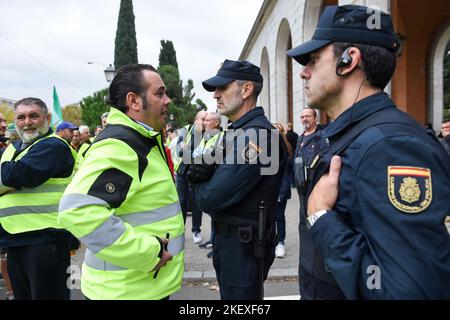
{"x":378,"y":62}
{"x":446,"y":120}
{"x":128,"y":79}
{"x":257,"y":87}
{"x":29,"y":101}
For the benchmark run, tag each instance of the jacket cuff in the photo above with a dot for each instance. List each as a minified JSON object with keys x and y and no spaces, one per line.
{"x":326,"y":229}
{"x":161,"y":244}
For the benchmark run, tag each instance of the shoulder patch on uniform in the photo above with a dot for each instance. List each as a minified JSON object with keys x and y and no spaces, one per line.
{"x":409,"y":188}
{"x":111,"y":186}
{"x":250,"y":151}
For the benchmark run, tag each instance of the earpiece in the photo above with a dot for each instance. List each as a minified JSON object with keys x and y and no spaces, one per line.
{"x":344,"y":61}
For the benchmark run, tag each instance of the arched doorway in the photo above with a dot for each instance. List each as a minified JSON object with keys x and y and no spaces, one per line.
{"x":265,"y":93}
{"x":440,"y":89}
{"x":284,"y":97}
{"x":415,"y":84}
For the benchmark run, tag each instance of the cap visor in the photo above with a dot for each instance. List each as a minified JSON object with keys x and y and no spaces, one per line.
{"x":217,"y":81}
{"x":302,"y":53}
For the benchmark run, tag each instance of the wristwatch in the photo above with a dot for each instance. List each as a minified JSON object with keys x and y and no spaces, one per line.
{"x":313,"y":218}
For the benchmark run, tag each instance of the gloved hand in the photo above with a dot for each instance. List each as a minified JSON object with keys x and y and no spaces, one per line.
{"x":199,"y":173}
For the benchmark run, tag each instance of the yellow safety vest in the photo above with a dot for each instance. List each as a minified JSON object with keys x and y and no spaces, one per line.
{"x":121,"y":245}
{"x":177,"y":160}
{"x":30,"y":209}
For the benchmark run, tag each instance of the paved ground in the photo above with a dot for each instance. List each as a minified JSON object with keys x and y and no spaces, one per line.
{"x":199,"y":269}
{"x":198,"y":266}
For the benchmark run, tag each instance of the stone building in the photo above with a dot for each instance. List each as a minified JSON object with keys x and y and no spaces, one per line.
{"x":417,"y":85}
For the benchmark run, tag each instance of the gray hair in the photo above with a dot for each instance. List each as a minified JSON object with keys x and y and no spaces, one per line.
{"x":82,"y":129}
{"x":30,"y":101}
{"x":257,"y":87}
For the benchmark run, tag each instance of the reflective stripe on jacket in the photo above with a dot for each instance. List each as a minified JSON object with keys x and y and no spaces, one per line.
{"x":119,"y":201}
{"x":30,"y":209}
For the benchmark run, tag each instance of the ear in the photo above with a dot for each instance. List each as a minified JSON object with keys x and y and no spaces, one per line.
{"x":356,"y":61}
{"x":49,"y":117}
{"x":133,"y":102}
{"x":247,"y":90}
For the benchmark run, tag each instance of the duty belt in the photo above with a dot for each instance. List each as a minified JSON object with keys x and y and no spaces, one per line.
{"x":226,"y":229}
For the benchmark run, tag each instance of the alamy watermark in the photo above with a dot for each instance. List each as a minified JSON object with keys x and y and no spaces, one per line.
{"x":374,"y":279}
{"x":74,"y":279}
{"x":374,"y":21}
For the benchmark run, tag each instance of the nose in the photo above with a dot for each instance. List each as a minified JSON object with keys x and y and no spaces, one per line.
{"x":216,"y":94}
{"x":306,"y":73}
{"x":28,"y":121}
{"x":167,"y":101}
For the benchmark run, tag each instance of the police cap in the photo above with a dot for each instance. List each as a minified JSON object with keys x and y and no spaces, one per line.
{"x":351,"y":23}
{"x":231,"y":71}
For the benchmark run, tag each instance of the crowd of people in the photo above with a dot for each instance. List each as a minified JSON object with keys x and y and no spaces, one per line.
{"x":373,"y":185}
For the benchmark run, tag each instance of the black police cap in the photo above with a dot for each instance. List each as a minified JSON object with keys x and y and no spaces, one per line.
{"x":231,"y":71}
{"x":351,"y":23}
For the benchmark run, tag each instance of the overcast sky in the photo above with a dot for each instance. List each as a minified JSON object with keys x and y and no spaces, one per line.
{"x":49,"y":42}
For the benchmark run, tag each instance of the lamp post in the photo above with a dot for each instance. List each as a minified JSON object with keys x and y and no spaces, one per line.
{"x":109,"y":71}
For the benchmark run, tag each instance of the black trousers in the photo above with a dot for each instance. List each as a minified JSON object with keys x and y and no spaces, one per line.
{"x":187,"y":199}
{"x":39,"y":271}
{"x":237,"y":268}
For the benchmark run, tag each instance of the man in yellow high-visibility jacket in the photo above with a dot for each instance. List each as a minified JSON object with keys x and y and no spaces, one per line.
{"x":33,"y":175}
{"x":122,"y":203}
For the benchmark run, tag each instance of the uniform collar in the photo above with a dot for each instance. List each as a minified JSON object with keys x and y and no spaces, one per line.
{"x":249,"y":116}
{"x":357,"y":112}
{"x":118,"y":117}
{"x":145,"y":125}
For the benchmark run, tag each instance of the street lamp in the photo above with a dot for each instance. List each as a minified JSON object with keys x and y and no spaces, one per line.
{"x":109,"y":71}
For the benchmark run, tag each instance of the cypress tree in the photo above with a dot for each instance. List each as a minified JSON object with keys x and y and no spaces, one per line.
{"x":181,"y":106}
{"x":125,"y":44}
{"x":167,"y":54}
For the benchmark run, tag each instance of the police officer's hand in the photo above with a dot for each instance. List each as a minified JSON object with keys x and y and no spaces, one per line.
{"x":166,"y":256}
{"x":325,"y":192}
{"x":199,"y":173}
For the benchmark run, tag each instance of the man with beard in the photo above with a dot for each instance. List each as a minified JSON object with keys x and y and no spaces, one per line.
{"x":308,"y":144}
{"x":240,"y":193}
{"x":122,"y":203}
{"x":34,"y":174}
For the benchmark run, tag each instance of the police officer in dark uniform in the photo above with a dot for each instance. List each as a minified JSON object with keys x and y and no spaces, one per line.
{"x":379,"y":196}
{"x":241,"y":193}
{"x":315,"y":282}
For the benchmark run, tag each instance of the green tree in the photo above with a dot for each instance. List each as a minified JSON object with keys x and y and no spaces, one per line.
{"x":201,"y":105}
{"x":93,"y":107}
{"x":7,"y":112}
{"x":72,"y":113}
{"x":181,"y":108}
{"x":167,"y":54}
{"x":126,"y":44}
{"x":171,"y":77}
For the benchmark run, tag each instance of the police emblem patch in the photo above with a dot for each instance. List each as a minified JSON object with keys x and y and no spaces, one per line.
{"x":250,"y":151}
{"x":409,"y":188}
